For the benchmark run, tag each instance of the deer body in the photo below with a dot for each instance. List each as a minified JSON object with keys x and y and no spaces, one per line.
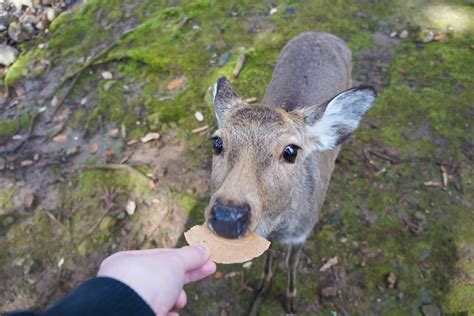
{"x":273,"y":162}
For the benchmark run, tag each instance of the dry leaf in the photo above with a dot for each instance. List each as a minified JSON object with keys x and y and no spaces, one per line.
{"x":176,"y":83}
{"x":27,"y":163}
{"x":331,"y":262}
{"x":251,"y":100}
{"x":149,"y":137}
{"x":200,"y":129}
{"x":132,"y":142}
{"x":94,"y":148}
{"x":444,"y":170}
{"x":432,"y":184}
{"x":55,"y":101}
{"x":61,"y":138}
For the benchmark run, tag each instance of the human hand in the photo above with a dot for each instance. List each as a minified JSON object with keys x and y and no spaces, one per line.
{"x":158,"y":275}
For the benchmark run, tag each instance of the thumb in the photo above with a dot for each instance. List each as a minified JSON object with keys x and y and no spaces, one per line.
{"x":193,"y":257}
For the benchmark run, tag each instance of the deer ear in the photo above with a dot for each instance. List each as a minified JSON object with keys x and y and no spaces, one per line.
{"x":225,"y":98}
{"x":329,"y":125}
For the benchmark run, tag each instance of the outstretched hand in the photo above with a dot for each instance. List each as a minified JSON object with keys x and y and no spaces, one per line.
{"x":158,"y":275}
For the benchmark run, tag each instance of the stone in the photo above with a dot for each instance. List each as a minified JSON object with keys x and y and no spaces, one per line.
{"x":8,"y":55}
{"x":14,"y":31}
{"x":329,"y":291}
{"x":50,"y":14}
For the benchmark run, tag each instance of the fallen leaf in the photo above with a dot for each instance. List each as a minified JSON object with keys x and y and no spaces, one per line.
{"x":61,"y":138}
{"x":432,"y":184}
{"x":29,"y":200}
{"x":27,"y":163}
{"x":132,"y":142}
{"x":444,"y":170}
{"x":131,"y":206}
{"x":391,"y":280}
{"x":176,"y":83}
{"x":107,"y":75}
{"x":441,"y":36}
{"x":55,"y":102}
{"x":239,"y":65}
{"x":251,"y":100}
{"x":94,"y":148}
{"x":331,"y":262}
{"x":149,"y":137}
{"x":200,"y":129}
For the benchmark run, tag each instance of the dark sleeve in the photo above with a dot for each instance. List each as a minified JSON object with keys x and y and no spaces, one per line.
{"x":98,"y":296}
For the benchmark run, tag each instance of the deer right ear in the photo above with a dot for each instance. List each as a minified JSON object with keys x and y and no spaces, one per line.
{"x":225,"y":98}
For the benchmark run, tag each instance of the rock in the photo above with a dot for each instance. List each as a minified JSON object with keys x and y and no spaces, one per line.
{"x":55,"y":101}
{"x":393,"y":34}
{"x":426,"y":36}
{"x":131,"y":207}
{"x":149,"y":137}
{"x":8,"y":54}
{"x":391,"y":280}
{"x":113,"y":133}
{"x":403,"y":34}
{"x":273,"y":11}
{"x":29,"y":28}
{"x":27,"y":18}
{"x":50,"y":14}
{"x":14,"y":31}
{"x":107,"y":75}
{"x":198,"y":115}
{"x":72,"y":151}
{"x":329,"y":291}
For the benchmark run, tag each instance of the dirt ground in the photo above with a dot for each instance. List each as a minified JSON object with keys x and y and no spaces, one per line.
{"x":78,"y":182}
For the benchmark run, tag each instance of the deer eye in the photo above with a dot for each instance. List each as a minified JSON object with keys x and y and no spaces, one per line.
{"x":218,"y":145}
{"x":289,"y":153}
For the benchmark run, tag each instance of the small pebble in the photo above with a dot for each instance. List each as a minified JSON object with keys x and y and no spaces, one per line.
{"x":198,"y":115}
{"x":107,"y":75}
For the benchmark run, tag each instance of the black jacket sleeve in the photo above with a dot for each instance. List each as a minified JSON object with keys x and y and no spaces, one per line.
{"x":98,"y":296}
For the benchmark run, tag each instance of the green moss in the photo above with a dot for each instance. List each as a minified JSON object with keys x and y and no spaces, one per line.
{"x":18,"y":70}
{"x":10,"y":127}
{"x":6,"y":199}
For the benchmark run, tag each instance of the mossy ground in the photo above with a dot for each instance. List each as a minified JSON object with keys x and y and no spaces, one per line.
{"x":379,"y":216}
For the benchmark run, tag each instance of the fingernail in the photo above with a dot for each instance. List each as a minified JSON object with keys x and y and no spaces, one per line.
{"x":203,"y":248}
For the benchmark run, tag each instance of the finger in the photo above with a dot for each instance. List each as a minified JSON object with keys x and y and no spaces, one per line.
{"x":181,"y":301}
{"x":194,"y":256}
{"x":200,"y":273}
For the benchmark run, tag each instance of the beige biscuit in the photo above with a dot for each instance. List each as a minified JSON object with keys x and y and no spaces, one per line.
{"x":225,"y":250}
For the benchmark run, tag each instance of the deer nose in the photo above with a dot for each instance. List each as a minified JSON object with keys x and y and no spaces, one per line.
{"x":229,"y":221}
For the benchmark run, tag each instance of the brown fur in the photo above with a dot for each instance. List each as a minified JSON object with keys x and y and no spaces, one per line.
{"x":286,"y":198}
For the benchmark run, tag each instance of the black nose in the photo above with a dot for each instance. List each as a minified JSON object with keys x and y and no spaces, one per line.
{"x":229,"y":221}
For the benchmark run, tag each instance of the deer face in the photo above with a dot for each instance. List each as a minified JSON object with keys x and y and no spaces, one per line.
{"x":259,"y":157}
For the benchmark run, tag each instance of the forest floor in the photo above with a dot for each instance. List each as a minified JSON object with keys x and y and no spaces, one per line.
{"x":78,"y":182}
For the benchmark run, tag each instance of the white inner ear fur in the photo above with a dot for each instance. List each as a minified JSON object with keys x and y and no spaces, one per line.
{"x":342,"y":114}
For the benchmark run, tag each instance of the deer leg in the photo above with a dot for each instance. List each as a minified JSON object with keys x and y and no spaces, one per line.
{"x":265,"y":284}
{"x":292,"y":263}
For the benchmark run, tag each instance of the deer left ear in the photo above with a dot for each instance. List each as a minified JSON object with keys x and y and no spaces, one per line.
{"x":225,"y":98}
{"x":328,"y":126}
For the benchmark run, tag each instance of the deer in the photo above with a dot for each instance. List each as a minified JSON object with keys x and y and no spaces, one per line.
{"x":272,"y":162}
